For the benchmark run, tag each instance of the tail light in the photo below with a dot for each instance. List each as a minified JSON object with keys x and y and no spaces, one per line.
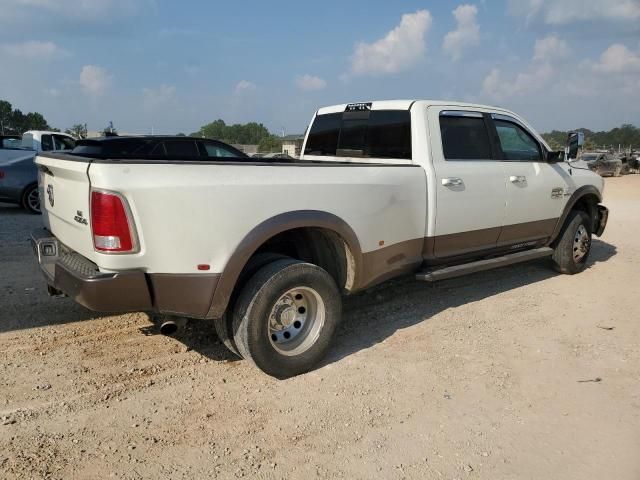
{"x":1,"y":174}
{"x":111,"y":223}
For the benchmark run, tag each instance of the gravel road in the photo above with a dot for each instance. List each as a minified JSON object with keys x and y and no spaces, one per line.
{"x":517,"y":373}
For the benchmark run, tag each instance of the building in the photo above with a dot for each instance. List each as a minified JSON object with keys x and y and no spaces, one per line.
{"x":292,"y":145}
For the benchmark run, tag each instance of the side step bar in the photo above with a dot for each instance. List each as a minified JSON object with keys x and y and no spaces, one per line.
{"x":482,"y":265}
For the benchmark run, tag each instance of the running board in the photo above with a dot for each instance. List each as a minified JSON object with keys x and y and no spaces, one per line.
{"x":482,"y":265}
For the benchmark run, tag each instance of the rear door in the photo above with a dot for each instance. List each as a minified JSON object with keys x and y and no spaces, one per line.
{"x":64,"y":198}
{"x":471,"y":193}
{"x":535,"y":189}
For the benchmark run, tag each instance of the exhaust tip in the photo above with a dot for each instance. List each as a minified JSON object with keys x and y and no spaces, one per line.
{"x":168,"y":328}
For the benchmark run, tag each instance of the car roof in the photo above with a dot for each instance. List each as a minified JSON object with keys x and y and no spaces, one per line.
{"x":406,"y":105}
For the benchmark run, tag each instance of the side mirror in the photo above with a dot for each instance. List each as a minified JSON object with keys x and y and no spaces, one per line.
{"x":574,"y":141}
{"x":555,"y":157}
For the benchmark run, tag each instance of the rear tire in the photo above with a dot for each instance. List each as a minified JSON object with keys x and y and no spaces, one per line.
{"x":31,"y":199}
{"x":573,"y":249}
{"x":224,"y":325}
{"x":286,"y":316}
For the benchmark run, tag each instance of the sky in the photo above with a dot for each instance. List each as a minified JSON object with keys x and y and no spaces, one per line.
{"x":165,"y":66}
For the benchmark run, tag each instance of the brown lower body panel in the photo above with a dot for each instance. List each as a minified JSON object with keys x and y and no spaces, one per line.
{"x":388,"y":262}
{"x":183,"y":294}
{"x":486,"y":239}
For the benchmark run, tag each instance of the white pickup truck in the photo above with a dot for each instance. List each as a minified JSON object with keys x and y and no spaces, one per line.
{"x":35,"y":141}
{"x":266,"y":249}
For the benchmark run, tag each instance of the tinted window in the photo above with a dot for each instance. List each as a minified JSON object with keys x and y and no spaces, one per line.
{"x":63,"y":143}
{"x":218,"y":151}
{"x":323,"y":137}
{"x":353,"y":137}
{"x":390,"y":134}
{"x":46,"y":143}
{"x":185,"y":148}
{"x":516,"y":142}
{"x":11,"y":142}
{"x":372,"y":134}
{"x":464,"y":138}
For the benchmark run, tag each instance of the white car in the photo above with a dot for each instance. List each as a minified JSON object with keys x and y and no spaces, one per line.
{"x":266,"y":248}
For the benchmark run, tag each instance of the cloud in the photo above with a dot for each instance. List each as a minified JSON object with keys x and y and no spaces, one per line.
{"x":525,"y":82}
{"x":309,"y":83}
{"x":95,"y":80}
{"x":550,"y":48}
{"x":244,"y":86}
{"x":399,"y":50}
{"x":618,"y":59}
{"x":540,"y":70}
{"x":154,"y":97}
{"x":565,"y":12}
{"x":466,"y":34}
{"x":34,"y":50}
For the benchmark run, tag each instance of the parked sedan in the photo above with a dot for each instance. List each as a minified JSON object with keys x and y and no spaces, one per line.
{"x":18,"y":182}
{"x":603,"y":163}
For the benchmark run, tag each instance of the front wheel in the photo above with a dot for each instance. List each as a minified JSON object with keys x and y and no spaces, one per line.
{"x":31,"y":199}
{"x":572,"y":251}
{"x":286,"y":316}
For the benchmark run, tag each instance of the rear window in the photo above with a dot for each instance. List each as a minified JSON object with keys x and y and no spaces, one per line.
{"x":155,"y":148}
{"x":464,"y":138}
{"x":366,"y":134}
{"x":11,"y":142}
{"x":186,"y":148}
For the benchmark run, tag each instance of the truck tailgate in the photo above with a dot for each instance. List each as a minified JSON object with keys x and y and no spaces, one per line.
{"x":64,"y":193}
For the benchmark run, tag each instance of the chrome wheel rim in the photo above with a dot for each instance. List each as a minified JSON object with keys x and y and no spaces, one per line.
{"x":33,"y":200}
{"x":581,"y":243}
{"x":296,"y":320}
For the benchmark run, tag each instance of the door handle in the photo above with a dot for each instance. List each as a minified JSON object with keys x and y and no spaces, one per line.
{"x":452,"y":182}
{"x":517,"y":179}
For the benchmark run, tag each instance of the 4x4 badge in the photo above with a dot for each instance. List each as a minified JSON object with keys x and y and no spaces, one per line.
{"x":50,"y":194}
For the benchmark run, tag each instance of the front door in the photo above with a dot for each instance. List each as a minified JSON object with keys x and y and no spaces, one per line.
{"x":470,"y":186}
{"x":535,"y":188}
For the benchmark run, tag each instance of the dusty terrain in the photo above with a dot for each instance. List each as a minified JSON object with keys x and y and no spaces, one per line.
{"x":491,"y":376}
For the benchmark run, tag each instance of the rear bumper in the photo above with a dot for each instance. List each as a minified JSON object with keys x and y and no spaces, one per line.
{"x":71,"y":274}
{"x":75,"y":276}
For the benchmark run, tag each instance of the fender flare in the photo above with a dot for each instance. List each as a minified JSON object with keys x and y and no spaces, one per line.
{"x":573,"y":200}
{"x":268,"y":229}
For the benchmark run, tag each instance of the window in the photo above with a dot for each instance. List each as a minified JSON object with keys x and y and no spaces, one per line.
{"x":464,"y":138}
{"x":183,"y":148}
{"x":323,"y":137}
{"x":63,"y":143}
{"x":367,"y":134}
{"x":517,"y":143}
{"x":11,"y":142}
{"x":46,"y":143}
{"x":218,"y":151}
{"x":390,"y":134}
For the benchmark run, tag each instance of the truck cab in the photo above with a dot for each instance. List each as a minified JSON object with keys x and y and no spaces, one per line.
{"x":493,"y":183}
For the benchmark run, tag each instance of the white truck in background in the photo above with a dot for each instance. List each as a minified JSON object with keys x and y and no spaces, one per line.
{"x":36,"y":141}
{"x":266,"y":249}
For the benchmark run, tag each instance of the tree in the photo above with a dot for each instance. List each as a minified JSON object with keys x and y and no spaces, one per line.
{"x":625,"y":136}
{"x":270,"y":144}
{"x":15,"y":122}
{"x":5,"y":116}
{"x":78,"y":130}
{"x":249,"y":133}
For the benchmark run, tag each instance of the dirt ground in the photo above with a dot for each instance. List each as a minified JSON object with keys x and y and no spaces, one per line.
{"x":491,"y":376}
